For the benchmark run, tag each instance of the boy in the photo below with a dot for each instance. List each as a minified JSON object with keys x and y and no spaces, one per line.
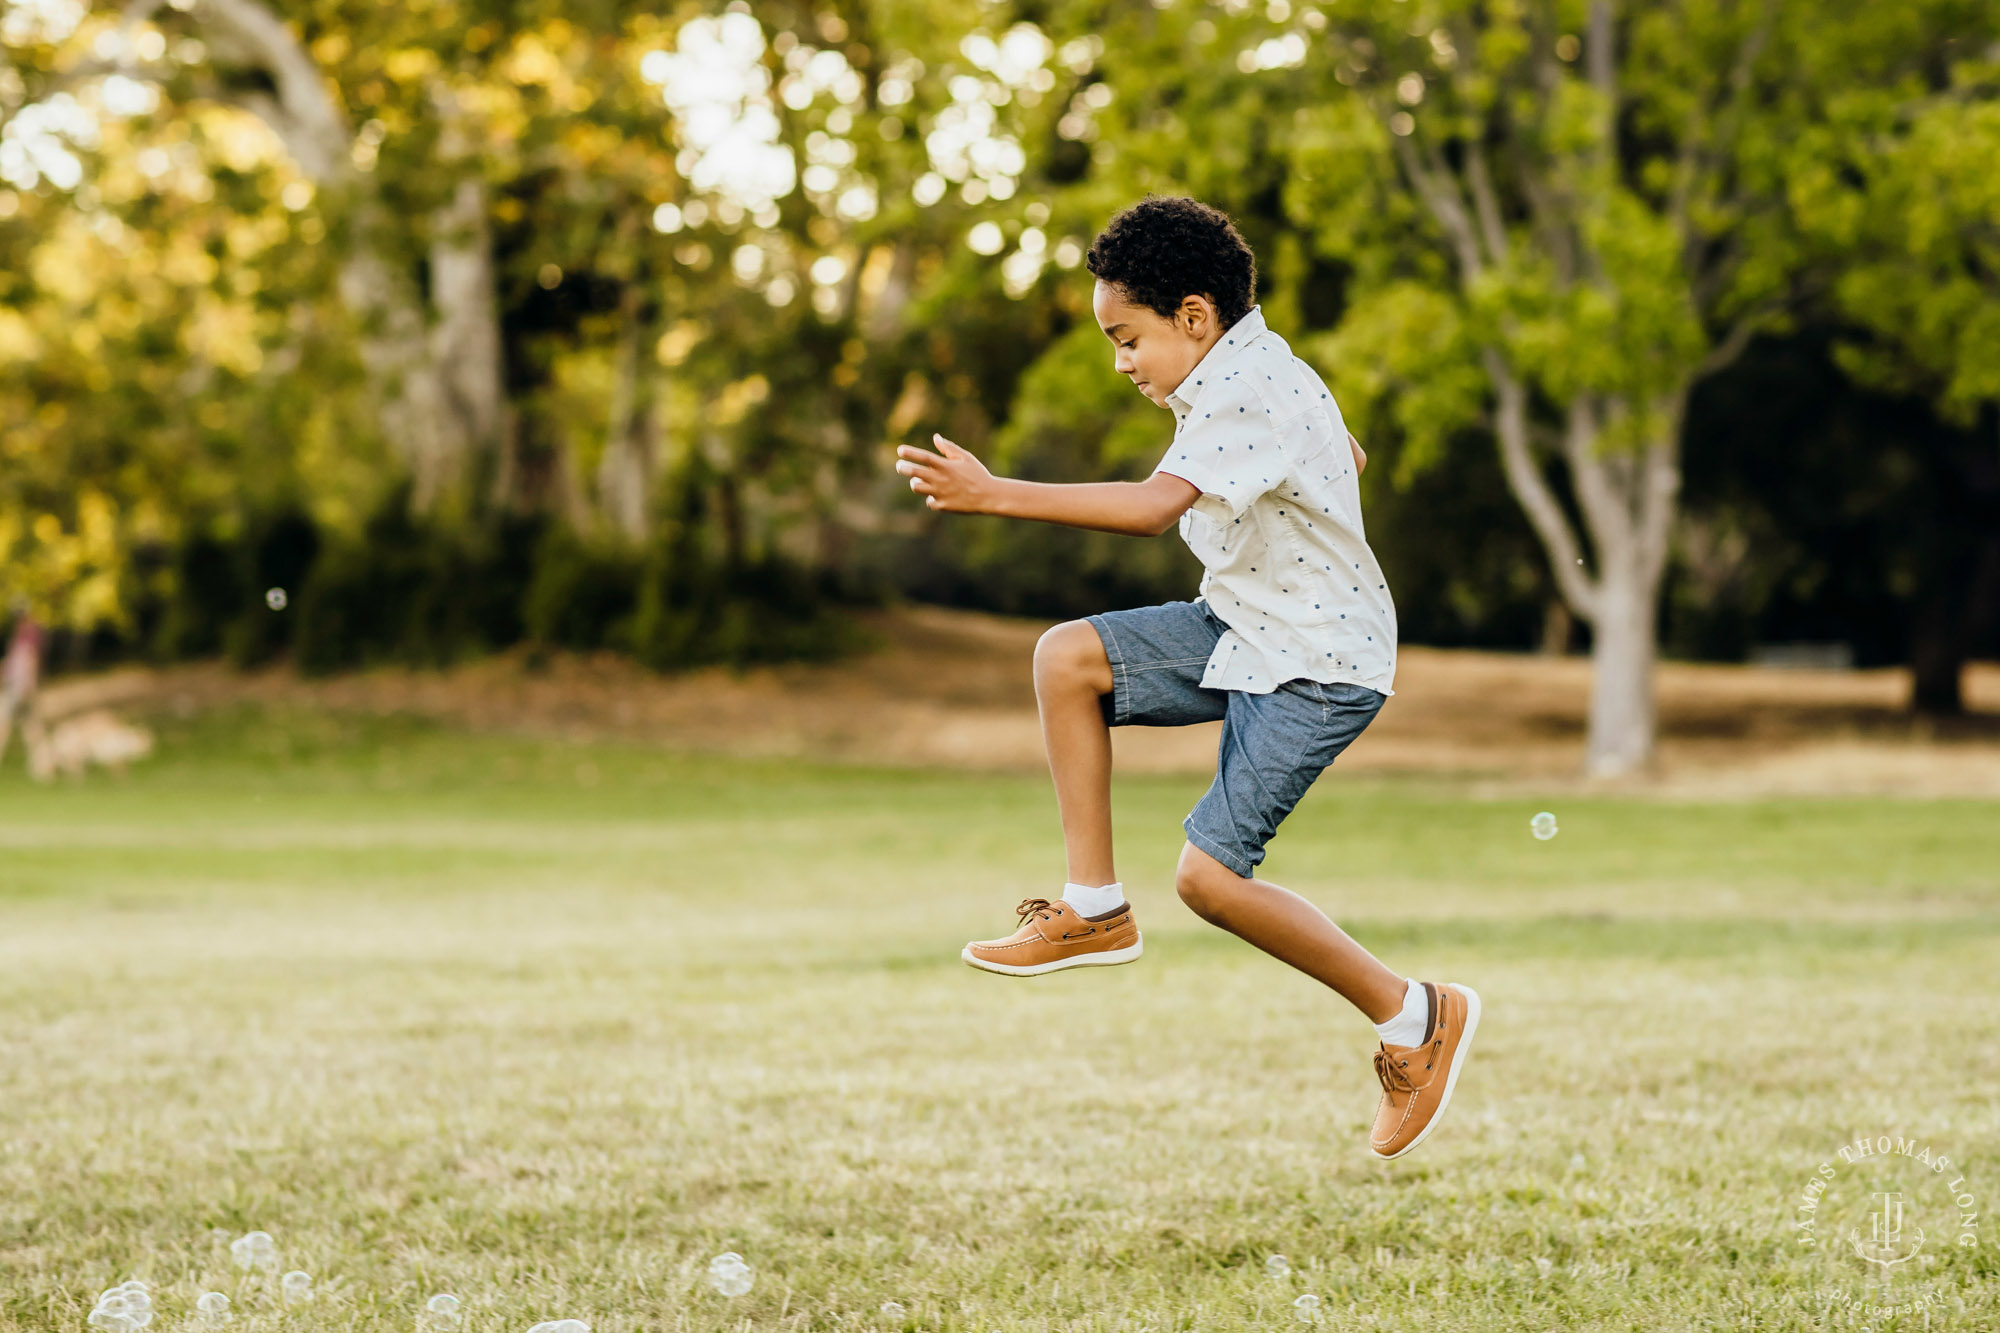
{"x":1292,"y":642}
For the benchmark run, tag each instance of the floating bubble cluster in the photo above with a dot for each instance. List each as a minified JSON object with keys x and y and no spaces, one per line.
{"x":560,"y":1326}
{"x":1543,"y":826}
{"x":127,"y":1306}
{"x":1306,"y":1308}
{"x":728,"y":1274}
{"x":297,"y":1286}
{"x":441,"y":1311}
{"x":254,"y":1250}
{"x":275,"y":598}
{"x":1278,"y":1266}
{"x":213,"y":1307}
{"x":894,"y":1312}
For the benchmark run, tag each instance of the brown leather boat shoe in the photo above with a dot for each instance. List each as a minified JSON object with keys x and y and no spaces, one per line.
{"x":1053,"y":937}
{"x":1417,"y":1080}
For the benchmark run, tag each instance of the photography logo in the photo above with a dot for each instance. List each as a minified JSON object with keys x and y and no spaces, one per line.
{"x":1886,"y":1212}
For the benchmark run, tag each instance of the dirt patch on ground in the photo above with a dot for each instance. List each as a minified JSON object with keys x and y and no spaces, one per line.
{"x":953,"y":688}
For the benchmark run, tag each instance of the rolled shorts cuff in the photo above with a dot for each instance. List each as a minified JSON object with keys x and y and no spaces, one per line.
{"x":1227,"y":855}
{"x":1119,"y":708}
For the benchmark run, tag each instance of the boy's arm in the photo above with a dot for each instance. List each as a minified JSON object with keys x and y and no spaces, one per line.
{"x":1360,"y":458}
{"x":954,"y":481}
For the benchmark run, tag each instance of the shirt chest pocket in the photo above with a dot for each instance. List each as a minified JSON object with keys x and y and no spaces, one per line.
{"x":1211,"y":538}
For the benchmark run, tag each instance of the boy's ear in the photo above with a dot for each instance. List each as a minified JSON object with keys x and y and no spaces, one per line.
{"x":1198,"y":315}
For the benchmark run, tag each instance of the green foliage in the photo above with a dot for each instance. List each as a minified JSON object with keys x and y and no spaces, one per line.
{"x":415,"y":593}
{"x":582,"y":593}
{"x":177,"y":349}
{"x":219,"y":590}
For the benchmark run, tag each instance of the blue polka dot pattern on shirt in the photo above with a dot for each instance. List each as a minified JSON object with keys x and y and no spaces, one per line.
{"x":1278,"y":609}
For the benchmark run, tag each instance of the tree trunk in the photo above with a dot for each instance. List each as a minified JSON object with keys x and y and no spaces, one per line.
{"x":1950,"y":617}
{"x":1621,"y":668}
{"x":1558,"y":626}
{"x":1627,"y":501}
{"x":439,"y":390}
{"x":625,"y":472}
{"x":464,"y":350}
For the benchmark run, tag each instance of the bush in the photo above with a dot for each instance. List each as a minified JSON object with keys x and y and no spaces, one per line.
{"x":583,"y":594}
{"x":416,"y":593}
{"x":219,"y":585}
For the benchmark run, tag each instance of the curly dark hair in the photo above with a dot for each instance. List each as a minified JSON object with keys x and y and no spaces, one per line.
{"x":1164,"y":249}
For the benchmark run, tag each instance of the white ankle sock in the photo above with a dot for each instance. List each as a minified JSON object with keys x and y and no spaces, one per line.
{"x":1094,"y":901}
{"x":1407,"y":1028}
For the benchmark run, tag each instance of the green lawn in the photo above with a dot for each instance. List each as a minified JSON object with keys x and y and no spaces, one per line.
{"x":549,"y":1025}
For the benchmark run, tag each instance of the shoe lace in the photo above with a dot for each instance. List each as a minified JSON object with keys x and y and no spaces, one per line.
{"x":1390,"y":1070}
{"x":1030,"y":906}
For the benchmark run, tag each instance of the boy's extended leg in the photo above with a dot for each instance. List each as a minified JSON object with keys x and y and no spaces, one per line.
{"x":1417,"y":1079}
{"x":1290,"y":929}
{"x":1071,"y":673}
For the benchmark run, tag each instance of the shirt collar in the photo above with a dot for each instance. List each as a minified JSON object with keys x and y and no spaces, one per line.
{"x":1233,"y":340}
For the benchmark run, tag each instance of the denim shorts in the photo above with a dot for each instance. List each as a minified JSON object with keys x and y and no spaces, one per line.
{"x":1273,"y":745}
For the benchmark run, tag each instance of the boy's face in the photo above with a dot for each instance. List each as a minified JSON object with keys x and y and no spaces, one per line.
{"x":1154,"y":352}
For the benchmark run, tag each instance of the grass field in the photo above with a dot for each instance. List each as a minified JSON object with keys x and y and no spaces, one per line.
{"x":548,"y":1025}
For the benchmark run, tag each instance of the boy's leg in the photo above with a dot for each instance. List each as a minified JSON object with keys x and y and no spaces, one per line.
{"x":1138,"y":667}
{"x":1290,"y":929}
{"x":1072,"y":673}
{"x":1273,"y":747}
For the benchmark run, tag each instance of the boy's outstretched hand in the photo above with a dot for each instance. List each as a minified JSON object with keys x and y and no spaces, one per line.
{"x":950,"y":479}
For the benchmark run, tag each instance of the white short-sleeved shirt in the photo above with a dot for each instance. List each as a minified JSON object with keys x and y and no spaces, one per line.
{"x":1277,"y":526}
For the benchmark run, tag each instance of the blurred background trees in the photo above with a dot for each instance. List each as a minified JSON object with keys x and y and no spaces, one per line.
{"x":472,"y":322}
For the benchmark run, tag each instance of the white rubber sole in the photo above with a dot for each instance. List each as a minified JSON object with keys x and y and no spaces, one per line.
{"x":1108,"y":958}
{"x":1450,"y":1076}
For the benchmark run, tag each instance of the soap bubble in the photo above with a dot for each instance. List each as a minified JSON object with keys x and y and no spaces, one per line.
{"x":213,"y":1307}
{"x":729,"y":1275}
{"x":894,"y":1312}
{"x":442,"y":1310}
{"x":1543,"y":826}
{"x":297,"y":1286}
{"x":254,"y":1250}
{"x":123,"y":1308}
{"x":275,"y":598}
{"x":1278,"y":1266}
{"x":560,"y":1326}
{"x":1306,"y":1308}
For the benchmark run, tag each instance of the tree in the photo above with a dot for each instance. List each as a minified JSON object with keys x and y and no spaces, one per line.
{"x":1550,"y":220}
{"x":1896,"y":191}
{"x":1610,"y":236}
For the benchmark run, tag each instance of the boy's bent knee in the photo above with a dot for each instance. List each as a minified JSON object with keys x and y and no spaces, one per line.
{"x":1205,"y":884}
{"x":1072,"y":653}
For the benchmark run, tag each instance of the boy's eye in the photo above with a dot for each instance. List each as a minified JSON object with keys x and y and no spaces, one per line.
{"x":1128,"y":344}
